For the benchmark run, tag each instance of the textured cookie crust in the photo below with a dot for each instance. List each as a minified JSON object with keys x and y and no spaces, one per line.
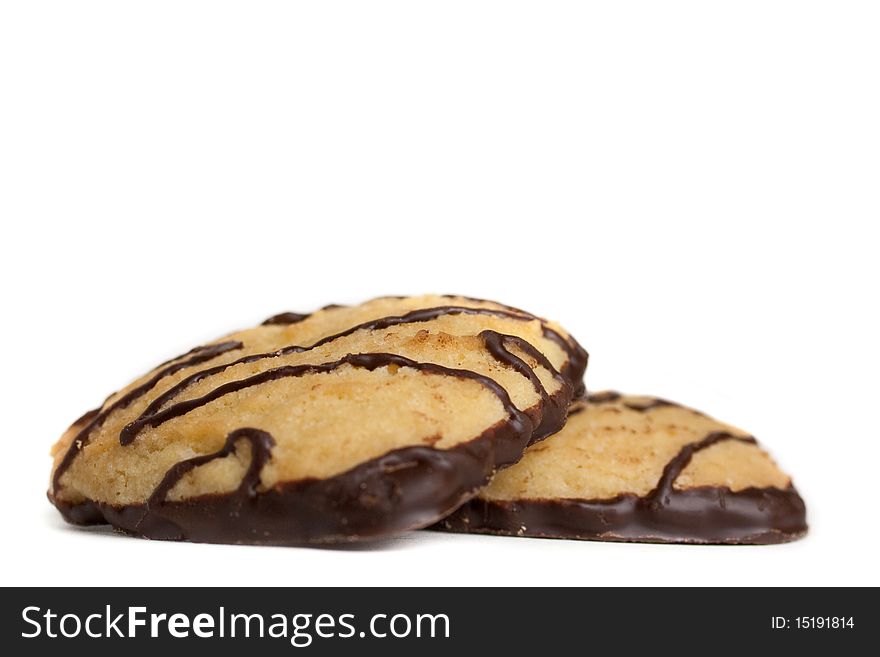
{"x":345,"y":424}
{"x":632,"y":468}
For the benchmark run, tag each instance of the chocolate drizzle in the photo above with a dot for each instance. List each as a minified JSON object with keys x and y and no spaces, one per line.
{"x":665,"y":486}
{"x":96,"y":418}
{"x":576,"y":352}
{"x":705,"y":514}
{"x":648,"y":404}
{"x":88,"y":416}
{"x":573,"y":370}
{"x":610,"y":396}
{"x":604,"y":397}
{"x":554,"y":408}
{"x":261,"y":449}
{"x":430,"y":314}
{"x":284,"y":319}
{"x":366,"y":361}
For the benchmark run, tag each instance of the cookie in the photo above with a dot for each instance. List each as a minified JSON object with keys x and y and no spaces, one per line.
{"x":630,"y":468}
{"x":340,"y":425}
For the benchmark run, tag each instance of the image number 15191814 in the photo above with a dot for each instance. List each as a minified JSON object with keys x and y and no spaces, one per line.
{"x":813,"y":622}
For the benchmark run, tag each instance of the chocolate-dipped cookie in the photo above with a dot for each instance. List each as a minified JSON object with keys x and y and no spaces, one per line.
{"x":340,"y":425}
{"x":629,"y":468}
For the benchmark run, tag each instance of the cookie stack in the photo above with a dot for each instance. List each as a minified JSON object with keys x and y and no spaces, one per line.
{"x":359,"y":422}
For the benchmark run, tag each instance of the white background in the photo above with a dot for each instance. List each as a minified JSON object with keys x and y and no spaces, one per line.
{"x":691,"y":187}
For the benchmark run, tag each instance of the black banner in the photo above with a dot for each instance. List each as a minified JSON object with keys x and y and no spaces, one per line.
{"x":434,"y":621}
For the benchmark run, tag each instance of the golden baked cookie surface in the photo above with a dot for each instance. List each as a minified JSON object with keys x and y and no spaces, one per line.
{"x":622,"y":447}
{"x":631,"y":468}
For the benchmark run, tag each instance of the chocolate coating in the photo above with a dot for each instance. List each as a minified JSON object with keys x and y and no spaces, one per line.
{"x":698,"y":515}
{"x":706,"y":514}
